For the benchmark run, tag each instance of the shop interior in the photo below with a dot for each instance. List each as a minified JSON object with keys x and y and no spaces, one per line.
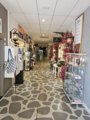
{"x":44,"y":59}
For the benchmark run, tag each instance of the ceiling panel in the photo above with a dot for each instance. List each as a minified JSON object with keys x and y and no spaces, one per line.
{"x":64,"y":7}
{"x":28,"y":6}
{"x":80,"y":7}
{"x":54,"y":28}
{"x":19,"y":18}
{"x":50,"y":3}
{"x":63,"y":28}
{"x":11,"y":5}
{"x":45,"y":27}
{"x":25,"y":26}
{"x":69,"y":20}
{"x":58,"y":20}
{"x":32,"y":18}
{"x":36,"y":30}
{"x":35,"y":26}
{"x":37,"y":34}
{"x":47,"y":19}
{"x":44,"y":31}
{"x":51,"y":34}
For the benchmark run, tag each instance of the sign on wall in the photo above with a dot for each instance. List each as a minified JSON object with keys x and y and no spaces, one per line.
{"x":0,"y":25}
{"x":79,"y":33}
{"x":56,"y":39}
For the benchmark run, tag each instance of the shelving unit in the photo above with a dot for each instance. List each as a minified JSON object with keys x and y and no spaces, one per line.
{"x":74,"y":77}
{"x":27,"y":60}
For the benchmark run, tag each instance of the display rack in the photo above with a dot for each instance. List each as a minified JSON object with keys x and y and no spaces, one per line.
{"x":27,"y":60}
{"x":74,"y":77}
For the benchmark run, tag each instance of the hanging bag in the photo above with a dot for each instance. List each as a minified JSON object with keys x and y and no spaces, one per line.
{"x":19,"y":55}
{"x":10,"y":64}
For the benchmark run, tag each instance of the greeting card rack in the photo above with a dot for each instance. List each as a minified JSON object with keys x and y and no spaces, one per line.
{"x":74,"y":77}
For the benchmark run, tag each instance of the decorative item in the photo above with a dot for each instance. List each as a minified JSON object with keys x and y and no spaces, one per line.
{"x":10,"y":64}
{"x":0,"y":25}
{"x":14,"y":35}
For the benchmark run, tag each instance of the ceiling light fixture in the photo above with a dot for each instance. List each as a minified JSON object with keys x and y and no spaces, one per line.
{"x":43,"y":35}
{"x":46,"y":7}
{"x":43,"y":20}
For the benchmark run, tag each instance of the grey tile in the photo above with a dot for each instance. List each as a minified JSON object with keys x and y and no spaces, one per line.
{"x":4,"y":102}
{"x":78,"y":113}
{"x":10,"y":93}
{"x":42,"y":97}
{"x":14,"y":108}
{"x":48,"y":88}
{"x":59,"y":116}
{"x":51,"y":99}
{"x":64,"y":107}
{"x":27,"y":114}
{"x":44,"y":118}
{"x":65,"y":99}
{"x":16,"y":98}
{"x":35,"y":91}
{"x":7,"y":118}
{"x":73,"y":117}
{"x":33,"y":104}
{"x":85,"y":112}
{"x":55,"y":107}
{"x":43,"y":110}
{"x":25,"y":93}
{"x":4,"y":111}
{"x":25,"y":102}
{"x":86,"y":118}
{"x":46,"y":103}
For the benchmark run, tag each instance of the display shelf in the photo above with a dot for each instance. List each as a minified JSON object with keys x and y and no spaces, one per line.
{"x":27,"y":60}
{"x":71,"y":101}
{"x":74,"y":77}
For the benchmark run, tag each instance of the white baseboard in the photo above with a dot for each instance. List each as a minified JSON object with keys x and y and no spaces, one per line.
{"x":86,"y":107}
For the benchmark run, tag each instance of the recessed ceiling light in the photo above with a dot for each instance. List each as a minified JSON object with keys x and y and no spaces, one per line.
{"x":46,"y":7}
{"x":43,"y":35}
{"x":43,"y":20}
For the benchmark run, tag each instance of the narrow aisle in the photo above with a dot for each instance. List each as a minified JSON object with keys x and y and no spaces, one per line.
{"x":41,"y":97}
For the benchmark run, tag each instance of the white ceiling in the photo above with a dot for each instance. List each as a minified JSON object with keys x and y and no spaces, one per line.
{"x":60,"y":15}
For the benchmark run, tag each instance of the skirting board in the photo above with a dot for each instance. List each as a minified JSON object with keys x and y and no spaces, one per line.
{"x":88,"y":110}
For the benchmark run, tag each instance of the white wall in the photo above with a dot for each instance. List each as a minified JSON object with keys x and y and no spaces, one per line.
{"x":71,"y":28}
{"x":12,"y":24}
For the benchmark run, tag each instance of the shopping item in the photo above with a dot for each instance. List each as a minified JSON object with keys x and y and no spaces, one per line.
{"x":19,"y":56}
{"x":10,"y":65}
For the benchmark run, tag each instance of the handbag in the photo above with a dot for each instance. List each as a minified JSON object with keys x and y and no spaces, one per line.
{"x":10,"y":65}
{"x":19,"y":55}
{"x":78,"y":61}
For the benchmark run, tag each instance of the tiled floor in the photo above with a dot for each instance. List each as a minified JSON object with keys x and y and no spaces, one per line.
{"x":41,"y":97}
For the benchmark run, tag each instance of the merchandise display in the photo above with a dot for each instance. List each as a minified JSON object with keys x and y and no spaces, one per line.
{"x":10,"y":64}
{"x":74,"y":77}
{"x":67,"y":47}
{"x":27,"y":60}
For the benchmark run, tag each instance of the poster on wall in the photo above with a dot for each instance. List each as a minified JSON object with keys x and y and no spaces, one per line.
{"x":79,"y":33}
{"x":21,"y":33}
{"x":0,"y":25}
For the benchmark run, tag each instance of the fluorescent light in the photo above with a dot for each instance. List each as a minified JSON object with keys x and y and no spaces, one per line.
{"x":43,"y":20}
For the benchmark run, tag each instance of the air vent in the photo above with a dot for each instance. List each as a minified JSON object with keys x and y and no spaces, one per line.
{"x":44,"y":37}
